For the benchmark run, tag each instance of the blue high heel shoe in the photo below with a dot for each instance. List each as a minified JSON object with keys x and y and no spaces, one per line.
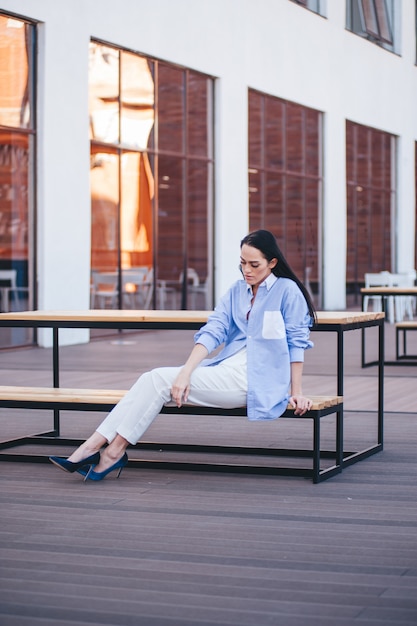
{"x":120,"y":464}
{"x":80,"y":466}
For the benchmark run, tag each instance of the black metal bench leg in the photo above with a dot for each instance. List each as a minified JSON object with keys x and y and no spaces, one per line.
{"x":57,"y":426}
{"x":397,"y":343}
{"x":316,"y":449}
{"x":363,"y":357}
{"x":339,"y":439}
{"x":55,"y":374}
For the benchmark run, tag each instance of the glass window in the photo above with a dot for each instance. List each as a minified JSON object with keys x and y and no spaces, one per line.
{"x":314,"y":5}
{"x":105,"y":167}
{"x":372,"y":19}
{"x":17,"y":148}
{"x":151,"y":178}
{"x":285,"y":180}
{"x":371,"y":200}
{"x":171,"y":119}
{"x":104,"y":94}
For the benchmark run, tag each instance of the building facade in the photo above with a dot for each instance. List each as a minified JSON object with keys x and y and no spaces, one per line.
{"x":141,"y":141}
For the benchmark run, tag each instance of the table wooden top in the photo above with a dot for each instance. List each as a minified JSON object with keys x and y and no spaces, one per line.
{"x":195,"y":317}
{"x":389,"y":291}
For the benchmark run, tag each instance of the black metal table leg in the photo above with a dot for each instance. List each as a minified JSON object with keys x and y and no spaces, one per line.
{"x":55,"y":371}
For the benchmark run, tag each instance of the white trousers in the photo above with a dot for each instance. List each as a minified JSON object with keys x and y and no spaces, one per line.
{"x":220,"y":386}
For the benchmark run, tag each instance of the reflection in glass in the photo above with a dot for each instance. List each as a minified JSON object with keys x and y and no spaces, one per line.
{"x":199,"y":112}
{"x":198,"y":287}
{"x":16,"y":168}
{"x":122,"y":182}
{"x":171,"y":110}
{"x":157,"y":200}
{"x":294,"y":138}
{"x":275,"y":121}
{"x":255,"y":130}
{"x":285,"y":179}
{"x":104,"y":210}
{"x":170,"y":218}
{"x":371,"y":195}
{"x":104,"y":93}
{"x":15,"y":48}
{"x":136,"y":210}
{"x":275,"y":196}
{"x":256,"y":197}
{"x":14,"y":189}
{"x":137,"y":101}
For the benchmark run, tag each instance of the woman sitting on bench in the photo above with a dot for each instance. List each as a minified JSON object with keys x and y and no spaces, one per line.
{"x":264,"y":323}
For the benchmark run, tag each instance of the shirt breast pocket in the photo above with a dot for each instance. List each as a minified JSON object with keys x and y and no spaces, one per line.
{"x":273,"y":326}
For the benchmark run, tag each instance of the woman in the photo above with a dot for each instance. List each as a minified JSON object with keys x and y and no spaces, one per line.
{"x":264,"y":323}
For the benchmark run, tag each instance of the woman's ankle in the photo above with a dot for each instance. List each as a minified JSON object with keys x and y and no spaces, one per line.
{"x":113,"y":453}
{"x":84,"y":451}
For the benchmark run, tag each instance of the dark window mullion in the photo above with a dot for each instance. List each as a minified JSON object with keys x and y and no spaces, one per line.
{"x":263,"y":176}
{"x":155,"y":203}
{"x":185,"y":190}
{"x":120,"y":187}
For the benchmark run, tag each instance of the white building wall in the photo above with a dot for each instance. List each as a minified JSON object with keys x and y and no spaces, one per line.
{"x":275,"y":46}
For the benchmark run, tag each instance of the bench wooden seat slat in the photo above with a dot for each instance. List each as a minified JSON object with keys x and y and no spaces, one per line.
{"x":106,"y":396}
{"x":61,"y":394}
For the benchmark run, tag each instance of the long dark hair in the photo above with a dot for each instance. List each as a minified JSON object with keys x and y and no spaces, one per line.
{"x":265,"y":242}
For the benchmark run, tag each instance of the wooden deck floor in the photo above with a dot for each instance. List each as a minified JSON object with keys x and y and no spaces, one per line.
{"x":166,"y":548}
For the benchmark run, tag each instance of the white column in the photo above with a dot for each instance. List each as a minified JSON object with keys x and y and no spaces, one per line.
{"x":406,"y":201}
{"x":334,"y":212}
{"x":231,"y":179}
{"x":63,"y":205}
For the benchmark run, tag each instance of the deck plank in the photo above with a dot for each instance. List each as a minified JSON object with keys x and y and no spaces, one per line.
{"x":166,"y":548}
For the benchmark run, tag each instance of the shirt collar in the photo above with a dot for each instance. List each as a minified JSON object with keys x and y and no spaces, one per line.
{"x":268,"y":282}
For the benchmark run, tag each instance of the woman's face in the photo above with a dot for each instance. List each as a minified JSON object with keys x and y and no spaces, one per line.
{"x":255,"y":267}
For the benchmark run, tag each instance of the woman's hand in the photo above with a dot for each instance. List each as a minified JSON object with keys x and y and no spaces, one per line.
{"x":180,"y":388}
{"x":300,"y":404}
{"x":297,"y":400}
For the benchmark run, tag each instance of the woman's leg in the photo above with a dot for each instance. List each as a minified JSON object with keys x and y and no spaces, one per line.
{"x":139,"y":407}
{"x":93,"y":444}
{"x":223,"y":386}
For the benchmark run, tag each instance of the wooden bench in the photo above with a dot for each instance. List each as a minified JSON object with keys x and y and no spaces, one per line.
{"x":104,"y":400}
{"x":402,"y":328}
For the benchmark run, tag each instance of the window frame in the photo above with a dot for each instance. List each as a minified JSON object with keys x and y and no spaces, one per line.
{"x":29,"y":132}
{"x":290,"y":172}
{"x":367,"y":187}
{"x":315,"y":6}
{"x":375,"y":20}
{"x":185,"y":156}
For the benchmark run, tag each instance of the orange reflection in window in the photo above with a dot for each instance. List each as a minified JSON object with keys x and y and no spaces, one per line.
{"x":136,"y":210}
{"x":14,"y":72}
{"x":121,"y":116}
{"x":104,"y":209}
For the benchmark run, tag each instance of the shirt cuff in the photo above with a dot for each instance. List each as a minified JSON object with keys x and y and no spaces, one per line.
{"x":297,"y":355}
{"x":207,"y":341}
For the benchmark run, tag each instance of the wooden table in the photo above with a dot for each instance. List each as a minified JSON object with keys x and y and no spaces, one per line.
{"x":388,"y":291}
{"x":385,"y":292}
{"x":327,"y":321}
